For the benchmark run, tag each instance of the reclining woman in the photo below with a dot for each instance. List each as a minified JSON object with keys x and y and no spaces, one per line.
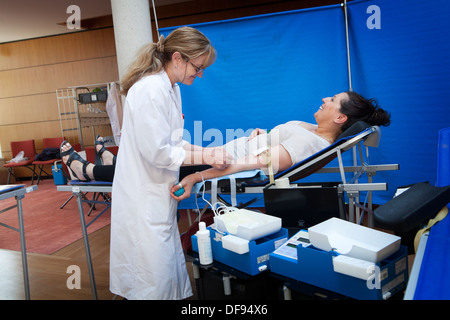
{"x":293,"y":141}
{"x":296,"y":141}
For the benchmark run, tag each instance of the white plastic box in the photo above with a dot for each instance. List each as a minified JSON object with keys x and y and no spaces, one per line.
{"x":353,"y":240}
{"x":247,"y":224}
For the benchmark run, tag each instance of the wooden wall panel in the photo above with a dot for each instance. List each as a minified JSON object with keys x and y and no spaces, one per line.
{"x":25,"y":109}
{"x":30,"y":73}
{"x":47,"y":78}
{"x":59,"y":49}
{"x":29,"y":95}
{"x":27,"y":131}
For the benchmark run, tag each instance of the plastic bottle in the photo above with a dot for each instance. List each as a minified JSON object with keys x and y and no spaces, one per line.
{"x":204,"y":244}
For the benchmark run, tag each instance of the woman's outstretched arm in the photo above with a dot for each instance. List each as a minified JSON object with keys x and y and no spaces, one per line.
{"x":280,"y":159}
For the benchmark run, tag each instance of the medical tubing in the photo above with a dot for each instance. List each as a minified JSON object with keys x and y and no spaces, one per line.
{"x":196,"y":202}
{"x":221,"y":208}
{"x":203,"y":197}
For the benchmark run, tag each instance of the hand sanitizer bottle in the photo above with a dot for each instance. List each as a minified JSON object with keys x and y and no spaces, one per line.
{"x":204,"y":244}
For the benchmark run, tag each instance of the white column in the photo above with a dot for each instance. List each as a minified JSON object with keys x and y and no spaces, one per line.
{"x":132,"y":29}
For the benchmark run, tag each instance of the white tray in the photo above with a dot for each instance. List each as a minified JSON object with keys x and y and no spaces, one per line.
{"x":247,"y":224}
{"x":353,"y":240}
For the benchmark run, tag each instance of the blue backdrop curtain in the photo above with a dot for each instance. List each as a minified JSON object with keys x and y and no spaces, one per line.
{"x":274,"y":68}
{"x":405,"y":64}
{"x":269,"y":69}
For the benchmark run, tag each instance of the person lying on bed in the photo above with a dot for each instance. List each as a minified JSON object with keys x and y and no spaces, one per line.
{"x":290,"y":143}
{"x":293,"y":141}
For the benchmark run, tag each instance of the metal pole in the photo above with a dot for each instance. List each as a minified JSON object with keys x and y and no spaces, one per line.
{"x":348,"y":47}
{"x":87,"y":250}
{"x":156,"y":18}
{"x":23,"y":247}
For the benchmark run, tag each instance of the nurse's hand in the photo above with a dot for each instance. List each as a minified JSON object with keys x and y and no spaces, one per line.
{"x":256,"y":132}
{"x":217,"y":157}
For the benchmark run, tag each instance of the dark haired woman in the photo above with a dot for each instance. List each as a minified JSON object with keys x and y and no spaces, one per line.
{"x":293,"y":141}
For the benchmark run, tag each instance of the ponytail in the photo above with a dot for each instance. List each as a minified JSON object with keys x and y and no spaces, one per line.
{"x":153,"y":57}
{"x":147,"y":62}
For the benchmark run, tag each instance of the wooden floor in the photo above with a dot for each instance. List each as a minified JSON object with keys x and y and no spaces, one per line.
{"x":48,"y":273}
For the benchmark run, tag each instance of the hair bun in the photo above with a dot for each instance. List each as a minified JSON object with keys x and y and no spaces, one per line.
{"x":381,"y":117}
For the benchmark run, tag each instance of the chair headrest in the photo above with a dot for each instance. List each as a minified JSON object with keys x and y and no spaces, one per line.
{"x":374,"y":139}
{"x":356,"y":128}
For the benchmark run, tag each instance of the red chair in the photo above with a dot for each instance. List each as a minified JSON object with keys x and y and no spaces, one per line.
{"x":27,"y":146}
{"x":90,"y":152}
{"x":49,"y":145}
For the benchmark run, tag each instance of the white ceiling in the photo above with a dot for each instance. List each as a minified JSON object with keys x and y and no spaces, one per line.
{"x":27,"y":19}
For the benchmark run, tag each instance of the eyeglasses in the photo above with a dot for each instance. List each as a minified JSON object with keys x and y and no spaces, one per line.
{"x":198,"y":70}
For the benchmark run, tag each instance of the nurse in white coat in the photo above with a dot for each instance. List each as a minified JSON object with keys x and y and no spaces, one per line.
{"x":146,"y":259}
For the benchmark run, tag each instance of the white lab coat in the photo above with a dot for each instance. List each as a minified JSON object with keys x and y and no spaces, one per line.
{"x":146,"y":259}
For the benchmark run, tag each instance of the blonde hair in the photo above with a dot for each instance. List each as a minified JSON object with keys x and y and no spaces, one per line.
{"x":153,"y":57}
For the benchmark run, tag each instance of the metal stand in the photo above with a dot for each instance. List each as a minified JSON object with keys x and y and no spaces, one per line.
{"x":78,"y":192}
{"x":19,"y":194}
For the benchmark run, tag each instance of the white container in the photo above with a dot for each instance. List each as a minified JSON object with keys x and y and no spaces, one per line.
{"x":204,"y":244}
{"x":353,"y":240}
{"x":247,"y":224}
{"x":235,"y":244}
{"x":282,"y":183}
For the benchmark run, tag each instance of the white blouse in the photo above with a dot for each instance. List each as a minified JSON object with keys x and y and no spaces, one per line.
{"x":298,"y":141}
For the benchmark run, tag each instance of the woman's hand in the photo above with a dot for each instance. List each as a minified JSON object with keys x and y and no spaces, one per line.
{"x":256,"y":132}
{"x":187,"y":183}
